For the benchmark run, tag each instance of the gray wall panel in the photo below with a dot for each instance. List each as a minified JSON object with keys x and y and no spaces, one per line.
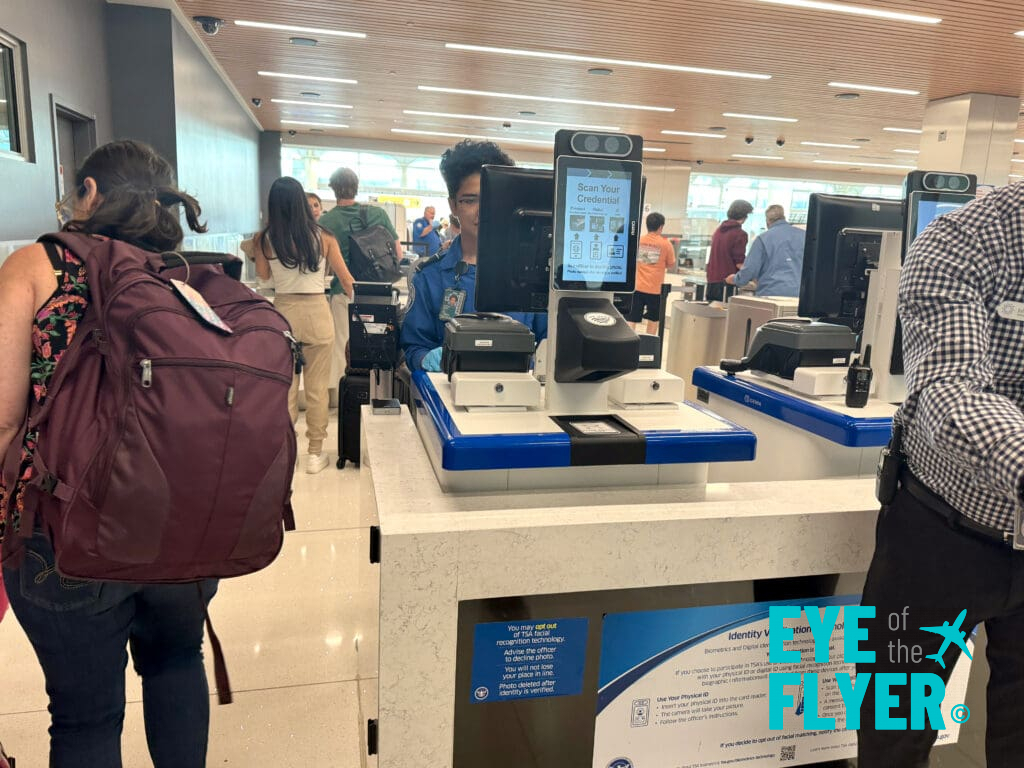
{"x":65,"y":43}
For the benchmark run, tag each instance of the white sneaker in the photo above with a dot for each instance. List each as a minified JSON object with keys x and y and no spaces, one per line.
{"x":315,"y":462}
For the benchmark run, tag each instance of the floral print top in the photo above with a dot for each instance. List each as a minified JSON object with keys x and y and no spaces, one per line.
{"x":52,"y":331}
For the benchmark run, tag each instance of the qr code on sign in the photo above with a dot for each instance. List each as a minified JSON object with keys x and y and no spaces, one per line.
{"x":788,"y":753}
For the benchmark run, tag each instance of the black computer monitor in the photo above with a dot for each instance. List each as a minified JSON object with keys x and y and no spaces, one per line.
{"x":514,"y":239}
{"x":842,"y":233}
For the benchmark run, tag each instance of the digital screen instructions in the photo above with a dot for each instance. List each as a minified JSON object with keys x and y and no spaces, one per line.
{"x":596,"y":226}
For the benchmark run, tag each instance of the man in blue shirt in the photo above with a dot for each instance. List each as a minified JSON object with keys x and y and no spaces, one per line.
{"x":776,"y":258}
{"x":424,"y":233}
{"x":444,"y":285}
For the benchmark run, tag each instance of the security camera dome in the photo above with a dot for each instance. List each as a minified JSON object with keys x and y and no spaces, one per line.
{"x":209,"y":24}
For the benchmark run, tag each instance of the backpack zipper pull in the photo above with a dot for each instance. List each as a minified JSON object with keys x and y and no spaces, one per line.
{"x":147,"y":373}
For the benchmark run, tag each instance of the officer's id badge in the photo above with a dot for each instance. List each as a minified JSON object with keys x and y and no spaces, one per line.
{"x":452,"y":304}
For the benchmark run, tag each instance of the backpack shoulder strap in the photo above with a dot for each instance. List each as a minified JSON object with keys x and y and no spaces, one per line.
{"x":56,"y":256}
{"x":364,"y":216}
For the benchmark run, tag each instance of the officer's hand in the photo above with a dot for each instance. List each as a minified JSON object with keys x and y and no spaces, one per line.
{"x":432,"y":360}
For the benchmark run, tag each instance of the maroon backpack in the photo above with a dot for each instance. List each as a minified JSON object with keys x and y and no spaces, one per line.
{"x":165,"y":450}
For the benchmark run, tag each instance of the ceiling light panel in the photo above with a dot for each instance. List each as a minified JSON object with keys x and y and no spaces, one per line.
{"x":760,"y":117}
{"x":519,"y":120}
{"x":696,"y":134}
{"x":312,"y":104}
{"x":858,"y":10}
{"x":308,"y":30}
{"x":760,"y":157}
{"x":875,"y":88}
{"x":503,"y":139}
{"x":859,"y":164}
{"x":315,"y":78}
{"x":908,"y":151}
{"x":654,"y":149}
{"x":603,"y":60}
{"x":903,"y":130}
{"x":318,"y":125}
{"x":826,"y":144}
{"x":551,"y":99}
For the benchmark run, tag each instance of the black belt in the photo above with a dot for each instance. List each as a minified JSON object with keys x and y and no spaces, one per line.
{"x":954,"y":517}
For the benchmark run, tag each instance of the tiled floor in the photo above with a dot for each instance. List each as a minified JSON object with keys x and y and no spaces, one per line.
{"x":300,"y":640}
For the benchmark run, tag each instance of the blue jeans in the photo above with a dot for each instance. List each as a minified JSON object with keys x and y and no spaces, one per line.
{"x":80,"y":631}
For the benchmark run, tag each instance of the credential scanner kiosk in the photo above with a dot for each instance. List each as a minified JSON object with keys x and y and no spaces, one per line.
{"x":564,"y":243}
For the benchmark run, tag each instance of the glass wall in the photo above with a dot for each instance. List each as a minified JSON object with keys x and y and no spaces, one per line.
{"x":710,"y":196}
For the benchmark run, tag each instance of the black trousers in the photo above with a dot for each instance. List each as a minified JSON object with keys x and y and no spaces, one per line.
{"x":924,"y":564}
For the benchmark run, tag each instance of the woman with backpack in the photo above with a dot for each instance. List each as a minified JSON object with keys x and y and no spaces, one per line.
{"x":80,"y":630}
{"x":296,"y":252}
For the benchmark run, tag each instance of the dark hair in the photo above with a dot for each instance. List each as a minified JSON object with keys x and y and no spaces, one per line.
{"x":655,"y":221}
{"x":344,"y":183}
{"x":316,"y":196}
{"x":291,"y":228}
{"x":466,"y":158}
{"x":139,"y":197}
{"x":739,"y":210}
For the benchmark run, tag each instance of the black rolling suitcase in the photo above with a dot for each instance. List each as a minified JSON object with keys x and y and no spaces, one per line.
{"x":353,"y":394}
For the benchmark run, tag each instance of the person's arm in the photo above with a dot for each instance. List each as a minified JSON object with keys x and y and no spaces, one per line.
{"x":738,"y":249}
{"x":418,"y":328}
{"x":669,"y":254}
{"x":751,"y":269}
{"x":951,"y":387}
{"x":262,"y":264}
{"x":26,"y":279}
{"x":337,"y":263}
{"x":398,"y":249}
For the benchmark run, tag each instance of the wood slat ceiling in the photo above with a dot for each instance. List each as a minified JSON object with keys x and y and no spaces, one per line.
{"x":973,"y":50}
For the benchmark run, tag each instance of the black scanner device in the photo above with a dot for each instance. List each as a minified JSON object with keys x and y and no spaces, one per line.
{"x":779,"y":347}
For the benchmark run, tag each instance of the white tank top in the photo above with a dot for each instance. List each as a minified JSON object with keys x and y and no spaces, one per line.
{"x":292,"y":280}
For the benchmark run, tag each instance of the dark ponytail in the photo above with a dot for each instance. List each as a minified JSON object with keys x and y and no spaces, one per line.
{"x":139,"y":197}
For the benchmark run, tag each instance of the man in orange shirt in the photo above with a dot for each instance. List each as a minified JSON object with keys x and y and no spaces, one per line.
{"x":654,"y":255}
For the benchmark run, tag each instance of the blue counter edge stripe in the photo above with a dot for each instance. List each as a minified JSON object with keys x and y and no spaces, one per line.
{"x":468,"y":452}
{"x":839,"y":428}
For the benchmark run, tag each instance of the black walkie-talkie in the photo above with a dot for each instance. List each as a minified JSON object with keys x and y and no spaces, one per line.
{"x":858,"y":381}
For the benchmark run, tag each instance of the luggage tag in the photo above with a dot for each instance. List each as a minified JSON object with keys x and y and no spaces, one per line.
{"x":194,"y":299}
{"x":452,"y":303}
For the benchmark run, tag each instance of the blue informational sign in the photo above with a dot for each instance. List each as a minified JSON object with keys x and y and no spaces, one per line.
{"x":532,"y":659}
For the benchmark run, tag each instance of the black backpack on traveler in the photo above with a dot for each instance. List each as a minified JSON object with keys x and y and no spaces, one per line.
{"x":372,"y":257}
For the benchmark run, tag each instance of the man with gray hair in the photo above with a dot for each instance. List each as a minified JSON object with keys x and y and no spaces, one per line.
{"x":776,"y":258}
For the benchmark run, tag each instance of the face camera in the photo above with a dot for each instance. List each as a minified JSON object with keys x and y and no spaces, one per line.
{"x":601,"y":144}
{"x":749,"y":140}
{"x":257,"y":102}
{"x":209,"y":24}
{"x":780,"y":142}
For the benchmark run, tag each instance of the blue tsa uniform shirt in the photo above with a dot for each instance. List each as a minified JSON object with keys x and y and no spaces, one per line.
{"x":431,"y":243}
{"x":436,"y":294}
{"x":776,"y":261}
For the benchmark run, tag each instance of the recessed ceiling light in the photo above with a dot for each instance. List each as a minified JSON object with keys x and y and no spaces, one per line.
{"x":717,"y":128}
{"x":1016,"y":176}
{"x":1015,"y":160}
{"x":309,"y":42}
{"x":309,"y":94}
{"x":523,"y":97}
{"x":654,"y":149}
{"x":692,"y":133}
{"x":603,"y":60}
{"x":861,"y":140}
{"x":760,"y":157}
{"x":527,"y":113}
{"x":312,"y":103}
{"x":510,"y":119}
{"x":760,"y":117}
{"x":865,"y":165}
{"x":908,"y":151}
{"x":858,"y":10}
{"x":291,"y":28}
{"x":877,"y":88}
{"x":504,"y":139}
{"x":314,"y":78}
{"x":1019,"y":34}
{"x":599,"y":71}
{"x":316,"y":130}
{"x":318,"y":125}
{"x":847,"y":96}
{"x":903,"y":130}
{"x":825,"y":144}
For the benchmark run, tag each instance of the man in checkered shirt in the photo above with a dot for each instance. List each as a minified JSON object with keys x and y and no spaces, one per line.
{"x":944,"y":543}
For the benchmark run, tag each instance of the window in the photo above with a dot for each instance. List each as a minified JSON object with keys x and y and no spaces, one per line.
{"x":13,"y":112}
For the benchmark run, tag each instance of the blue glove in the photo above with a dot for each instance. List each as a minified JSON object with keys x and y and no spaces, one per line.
{"x":432,"y":360}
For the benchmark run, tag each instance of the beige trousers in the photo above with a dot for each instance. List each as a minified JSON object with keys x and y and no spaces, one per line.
{"x":339,"y":311}
{"x":310,"y":318}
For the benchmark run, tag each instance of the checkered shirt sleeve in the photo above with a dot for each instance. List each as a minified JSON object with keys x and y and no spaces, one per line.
{"x":964,"y":361}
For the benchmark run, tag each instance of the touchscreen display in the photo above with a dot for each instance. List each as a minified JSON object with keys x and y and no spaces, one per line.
{"x":925,"y":207}
{"x":596,"y":226}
